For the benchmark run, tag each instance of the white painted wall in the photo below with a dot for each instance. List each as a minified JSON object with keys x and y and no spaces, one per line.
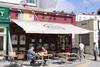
{"x":11,"y":1}
{"x":47,"y":4}
{"x":82,"y":17}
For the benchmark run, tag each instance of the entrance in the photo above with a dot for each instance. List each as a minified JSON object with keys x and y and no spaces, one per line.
{"x":1,"y":42}
{"x":2,"y":39}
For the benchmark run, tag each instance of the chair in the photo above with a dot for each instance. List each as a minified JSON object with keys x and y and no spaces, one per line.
{"x":20,"y":56}
{"x":12,"y":54}
{"x":74,"y":55}
{"x":11,"y":57}
{"x":2,"y":55}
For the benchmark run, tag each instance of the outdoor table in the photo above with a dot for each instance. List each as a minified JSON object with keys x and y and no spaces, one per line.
{"x":41,"y":55}
{"x":66,"y":55}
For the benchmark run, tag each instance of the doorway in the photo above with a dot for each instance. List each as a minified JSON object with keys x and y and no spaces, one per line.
{"x":1,"y":42}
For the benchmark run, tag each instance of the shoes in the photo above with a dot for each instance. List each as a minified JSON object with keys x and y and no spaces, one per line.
{"x":95,"y":59}
{"x":31,"y":63}
{"x":84,"y":56}
{"x":44,"y":64}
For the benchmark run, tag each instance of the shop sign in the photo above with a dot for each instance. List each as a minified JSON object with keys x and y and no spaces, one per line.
{"x":4,"y":14}
{"x":53,"y":26}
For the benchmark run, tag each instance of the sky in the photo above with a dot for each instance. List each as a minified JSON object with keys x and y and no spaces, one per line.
{"x":77,"y":6}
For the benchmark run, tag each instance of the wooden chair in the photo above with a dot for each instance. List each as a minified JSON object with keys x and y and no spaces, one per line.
{"x":13,"y":62}
{"x":2,"y":55}
{"x":20,"y":56}
{"x":12,"y":56}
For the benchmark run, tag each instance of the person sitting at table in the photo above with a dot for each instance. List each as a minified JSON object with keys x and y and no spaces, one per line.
{"x":44,"y":54}
{"x":31,"y":55}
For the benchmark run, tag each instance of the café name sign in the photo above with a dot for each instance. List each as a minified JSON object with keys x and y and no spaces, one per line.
{"x":4,"y":14}
{"x":3,"y":11}
{"x":54,"y":26}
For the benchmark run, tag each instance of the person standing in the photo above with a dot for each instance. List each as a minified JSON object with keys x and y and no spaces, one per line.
{"x":95,"y":51}
{"x":81,"y":50}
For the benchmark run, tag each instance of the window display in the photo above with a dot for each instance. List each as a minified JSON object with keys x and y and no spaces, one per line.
{"x":22,"y":39}
{"x":14,"y":39}
{"x":33,"y":40}
{"x":46,"y":45}
{"x":84,"y":38}
{"x":52,"y":46}
{"x":40,"y":40}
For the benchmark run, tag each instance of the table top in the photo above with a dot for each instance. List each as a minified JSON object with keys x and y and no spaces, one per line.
{"x":66,"y":53}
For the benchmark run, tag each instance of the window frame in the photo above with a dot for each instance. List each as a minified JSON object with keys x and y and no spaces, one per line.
{"x":32,"y":2}
{"x":84,"y":40}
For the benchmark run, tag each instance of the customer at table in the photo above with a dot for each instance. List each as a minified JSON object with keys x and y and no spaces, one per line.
{"x":31,"y":55}
{"x":44,"y":54}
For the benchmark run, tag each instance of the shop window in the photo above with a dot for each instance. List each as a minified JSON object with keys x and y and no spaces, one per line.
{"x":84,"y":38}
{"x":22,"y":39}
{"x":52,"y":46}
{"x":33,"y":40}
{"x":20,"y":16}
{"x":38,"y":47}
{"x":45,"y":39}
{"x":32,"y":2}
{"x":1,"y":30}
{"x":14,"y":39}
{"x":46,"y":45}
{"x":40,"y":40}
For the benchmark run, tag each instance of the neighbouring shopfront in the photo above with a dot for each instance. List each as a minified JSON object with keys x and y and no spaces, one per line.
{"x":89,"y":38}
{"x":4,"y":29}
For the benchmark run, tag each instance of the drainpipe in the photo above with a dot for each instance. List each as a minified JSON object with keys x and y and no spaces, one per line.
{"x":7,"y":42}
{"x":98,"y":36}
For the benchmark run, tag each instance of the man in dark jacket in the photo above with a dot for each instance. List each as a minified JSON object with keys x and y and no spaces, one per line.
{"x":31,"y":55}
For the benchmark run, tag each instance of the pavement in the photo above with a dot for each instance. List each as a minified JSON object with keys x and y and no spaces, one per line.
{"x":85,"y":62}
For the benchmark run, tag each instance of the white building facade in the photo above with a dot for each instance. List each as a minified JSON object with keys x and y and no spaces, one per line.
{"x":46,"y":5}
{"x":94,"y":36}
{"x":82,"y":17}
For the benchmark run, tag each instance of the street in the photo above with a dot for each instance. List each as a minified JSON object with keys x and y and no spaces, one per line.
{"x":87,"y":62}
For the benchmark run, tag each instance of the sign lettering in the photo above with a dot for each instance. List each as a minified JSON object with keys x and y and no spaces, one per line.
{"x":1,"y":13}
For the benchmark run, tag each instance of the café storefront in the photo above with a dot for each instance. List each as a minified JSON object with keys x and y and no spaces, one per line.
{"x":53,"y":36}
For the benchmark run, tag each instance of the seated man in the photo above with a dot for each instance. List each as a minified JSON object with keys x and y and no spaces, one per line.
{"x":31,"y":55}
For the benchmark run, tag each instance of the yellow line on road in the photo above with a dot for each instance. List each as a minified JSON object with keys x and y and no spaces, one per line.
{"x":84,"y":64}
